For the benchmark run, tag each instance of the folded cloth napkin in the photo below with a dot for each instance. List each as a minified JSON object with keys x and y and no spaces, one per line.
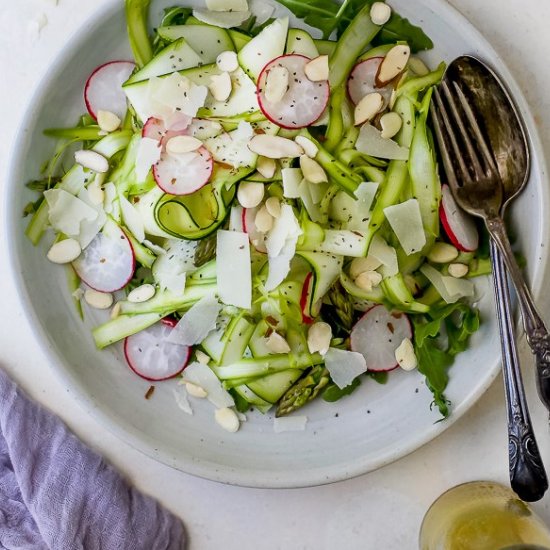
{"x":57,"y":494}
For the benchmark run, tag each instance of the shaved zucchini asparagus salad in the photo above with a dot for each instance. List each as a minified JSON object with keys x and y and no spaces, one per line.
{"x":260,"y":210}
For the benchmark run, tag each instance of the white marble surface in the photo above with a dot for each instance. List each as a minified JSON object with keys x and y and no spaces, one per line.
{"x":381,"y":510}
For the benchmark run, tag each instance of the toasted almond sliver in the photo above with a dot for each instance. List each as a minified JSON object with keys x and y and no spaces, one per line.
{"x":107,"y":121}
{"x":276,"y":343}
{"x":98,"y":300}
{"x":405,"y":355}
{"x":220,"y":86}
{"x":318,"y":337}
{"x":391,"y":124}
{"x":274,"y":147}
{"x":442,"y":253}
{"x":360,"y":265}
{"x":317,"y":69}
{"x":368,"y":108}
{"x":64,"y":252}
{"x":115,"y":312}
{"x":273,"y":206}
{"x":95,"y":192}
{"x":195,"y":390}
{"x":368,"y":280}
{"x":183,"y":144}
{"x":266,"y":167}
{"x":141,"y":294}
{"x":227,"y":418}
{"x":276,"y":84}
{"x":250,"y":194}
{"x":394,"y":63}
{"x":312,"y":170}
{"x":380,"y":13}
{"x":92,"y":160}
{"x":264,"y":220}
{"x":458,"y":270}
{"x":310,"y":149}
{"x":227,"y":62}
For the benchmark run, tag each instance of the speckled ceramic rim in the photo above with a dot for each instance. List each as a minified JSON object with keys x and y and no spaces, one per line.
{"x":290,"y":479}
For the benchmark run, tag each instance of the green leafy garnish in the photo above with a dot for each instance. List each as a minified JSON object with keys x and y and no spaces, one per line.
{"x":379,"y":377}
{"x":458,"y":321}
{"x":333,"y":393}
{"x":329,"y":16}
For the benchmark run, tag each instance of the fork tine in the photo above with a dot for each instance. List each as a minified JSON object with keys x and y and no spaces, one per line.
{"x":482,"y":143}
{"x":478,"y":170}
{"x":445,"y":124}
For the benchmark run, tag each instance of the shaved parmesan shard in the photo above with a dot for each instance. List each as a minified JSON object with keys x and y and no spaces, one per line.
{"x":233,"y":269}
{"x":236,"y":218}
{"x":197,"y":323}
{"x":365,"y":194}
{"x":67,"y":213}
{"x":227,"y":5}
{"x":344,"y":366}
{"x":385,"y":254}
{"x":148,"y":153}
{"x":406,"y":221}
{"x":180,"y":394}
{"x":292,"y":178}
{"x":225,"y":19}
{"x":371,"y":142}
{"x":132,"y":220}
{"x":450,"y":288}
{"x":289,"y":424}
{"x":173,"y":263}
{"x":201,"y":375}
{"x":90,"y":228}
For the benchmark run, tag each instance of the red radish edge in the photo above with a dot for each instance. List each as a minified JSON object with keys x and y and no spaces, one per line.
{"x":375,"y":88}
{"x":250,"y":229}
{"x":447,"y":223}
{"x":363,"y":317}
{"x":270,"y":117}
{"x":87,"y":101}
{"x":304,"y":298}
{"x":171,"y":322}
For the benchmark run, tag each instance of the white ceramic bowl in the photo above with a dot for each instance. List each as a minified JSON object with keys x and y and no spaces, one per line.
{"x":375,"y":426}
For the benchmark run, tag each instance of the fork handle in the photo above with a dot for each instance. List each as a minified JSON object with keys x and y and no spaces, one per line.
{"x":535,"y":328}
{"x":527,"y":476}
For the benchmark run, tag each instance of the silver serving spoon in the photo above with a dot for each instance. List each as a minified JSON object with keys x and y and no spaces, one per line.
{"x":485,"y":120}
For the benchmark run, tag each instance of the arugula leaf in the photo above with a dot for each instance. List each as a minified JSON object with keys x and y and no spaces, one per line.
{"x":379,"y":377}
{"x":175,"y":15}
{"x":398,"y":28}
{"x":249,"y":26}
{"x":458,"y":321}
{"x":321,"y":14}
{"x":241,"y":404}
{"x":333,"y":393}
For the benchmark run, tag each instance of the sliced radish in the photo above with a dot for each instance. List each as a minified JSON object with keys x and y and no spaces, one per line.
{"x":151,"y":356}
{"x":108,"y":262}
{"x":305,"y":298}
{"x":257,"y":239}
{"x":103,"y":89}
{"x":361,"y":81}
{"x":377,"y":335}
{"x":459,"y":226}
{"x":155,"y":128}
{"x":304,"y":101}
{"x":183,"y":174}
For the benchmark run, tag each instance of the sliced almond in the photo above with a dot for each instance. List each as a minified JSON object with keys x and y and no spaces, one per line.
{"x":458,"y":270}
{"x":274,"y":147}
{"x":310,"y":149}
{"x":318,"y":338}
{"x":312,"y":170}
{"x":276,"y":343}
{"x":96,"y":193}
{"x":227,"y":418}
{"x":141,"y":294}
{"x":368,"y":108}
{"x":195,"y":390}
{"x":405,"y":355}
{"x":115,"y":312}
{"x":220,"y":86}
{"x":273,"y":206}
{"x":368,"y":280}
{"x":98,"y":300}
{"x":202,"y":357}
{"x":276,"y":84}
{"x":380,"y":13}
{"x":264,"y":220}
{"x":394,"y":63}
{"x":391,"y":124}
{"x":227,"y":62}
{"x":92,"y":160}
{"x":266,"y":167}
{"x":64,"y":252}
{"x":183,"y":144}
{"x":360,"y":265}
{"x":107,"y":121}
{"x":442,"y":253}
{"x":317,"y":69}
{"x":250,"y":194}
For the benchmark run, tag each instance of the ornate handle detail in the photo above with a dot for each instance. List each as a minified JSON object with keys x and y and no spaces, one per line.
{"x":527,"y":475}
{"x":535,"y":329}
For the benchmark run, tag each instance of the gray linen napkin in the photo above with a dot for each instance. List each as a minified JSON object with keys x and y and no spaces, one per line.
{"x":57,"y":494}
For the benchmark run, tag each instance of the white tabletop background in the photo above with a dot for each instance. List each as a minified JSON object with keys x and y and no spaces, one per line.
{"x":381,"y":510}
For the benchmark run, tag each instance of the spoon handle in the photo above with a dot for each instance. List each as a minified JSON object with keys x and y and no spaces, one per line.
{"x":527,"y":475}
{"x":535,"y":328}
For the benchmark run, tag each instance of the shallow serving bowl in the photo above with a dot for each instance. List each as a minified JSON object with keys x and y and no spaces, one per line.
{"x":375,"y":426}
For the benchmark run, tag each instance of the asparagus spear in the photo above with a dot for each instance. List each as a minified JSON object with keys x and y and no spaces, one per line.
{"x":304,"y":390}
